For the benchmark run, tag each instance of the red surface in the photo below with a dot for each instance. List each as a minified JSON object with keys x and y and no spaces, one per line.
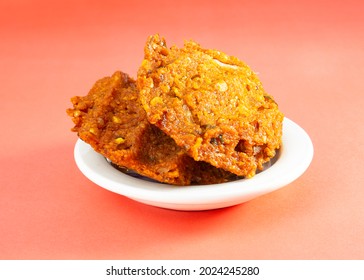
{"x":310,"y":56}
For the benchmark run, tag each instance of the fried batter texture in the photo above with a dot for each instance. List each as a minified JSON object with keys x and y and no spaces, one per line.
{"x":112,"y":120}
{"x":212,"y":105}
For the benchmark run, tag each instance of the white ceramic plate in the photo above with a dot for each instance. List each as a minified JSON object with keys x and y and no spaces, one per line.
{"x":294,"y":158}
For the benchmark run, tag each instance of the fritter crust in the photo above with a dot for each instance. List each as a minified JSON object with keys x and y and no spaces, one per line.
{"x":213,"y":105}
{"x":111,"y":119}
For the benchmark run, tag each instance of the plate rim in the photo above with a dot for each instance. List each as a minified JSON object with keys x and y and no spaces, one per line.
{"x":295,"y":141}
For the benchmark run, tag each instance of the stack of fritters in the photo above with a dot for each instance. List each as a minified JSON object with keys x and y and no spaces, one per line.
{"x":193,"y":116}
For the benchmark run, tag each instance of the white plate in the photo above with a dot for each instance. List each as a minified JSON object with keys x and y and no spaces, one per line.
{"x":294,"y":158}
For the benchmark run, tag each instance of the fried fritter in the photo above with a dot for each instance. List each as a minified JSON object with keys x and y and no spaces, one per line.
{"x":213,"y":105}
{"x":111,"y":119}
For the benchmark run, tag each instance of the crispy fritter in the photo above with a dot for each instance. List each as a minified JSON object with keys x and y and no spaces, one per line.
{"x":111,"y":119}
{"x":213,"y":105}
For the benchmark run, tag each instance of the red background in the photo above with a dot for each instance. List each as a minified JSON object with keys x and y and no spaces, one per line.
{"x":310,"y":57}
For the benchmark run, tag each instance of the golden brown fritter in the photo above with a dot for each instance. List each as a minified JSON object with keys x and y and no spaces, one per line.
{"x":213,"y":105}
{"x":111,"y":119}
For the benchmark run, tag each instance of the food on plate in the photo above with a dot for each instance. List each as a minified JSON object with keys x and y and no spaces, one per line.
{"x":212,"y":105}
{"x":112,"y":120}
{"x":192,"y":116}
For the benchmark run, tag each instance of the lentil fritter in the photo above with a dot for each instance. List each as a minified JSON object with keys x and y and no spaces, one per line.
{"x":212,"y":105}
